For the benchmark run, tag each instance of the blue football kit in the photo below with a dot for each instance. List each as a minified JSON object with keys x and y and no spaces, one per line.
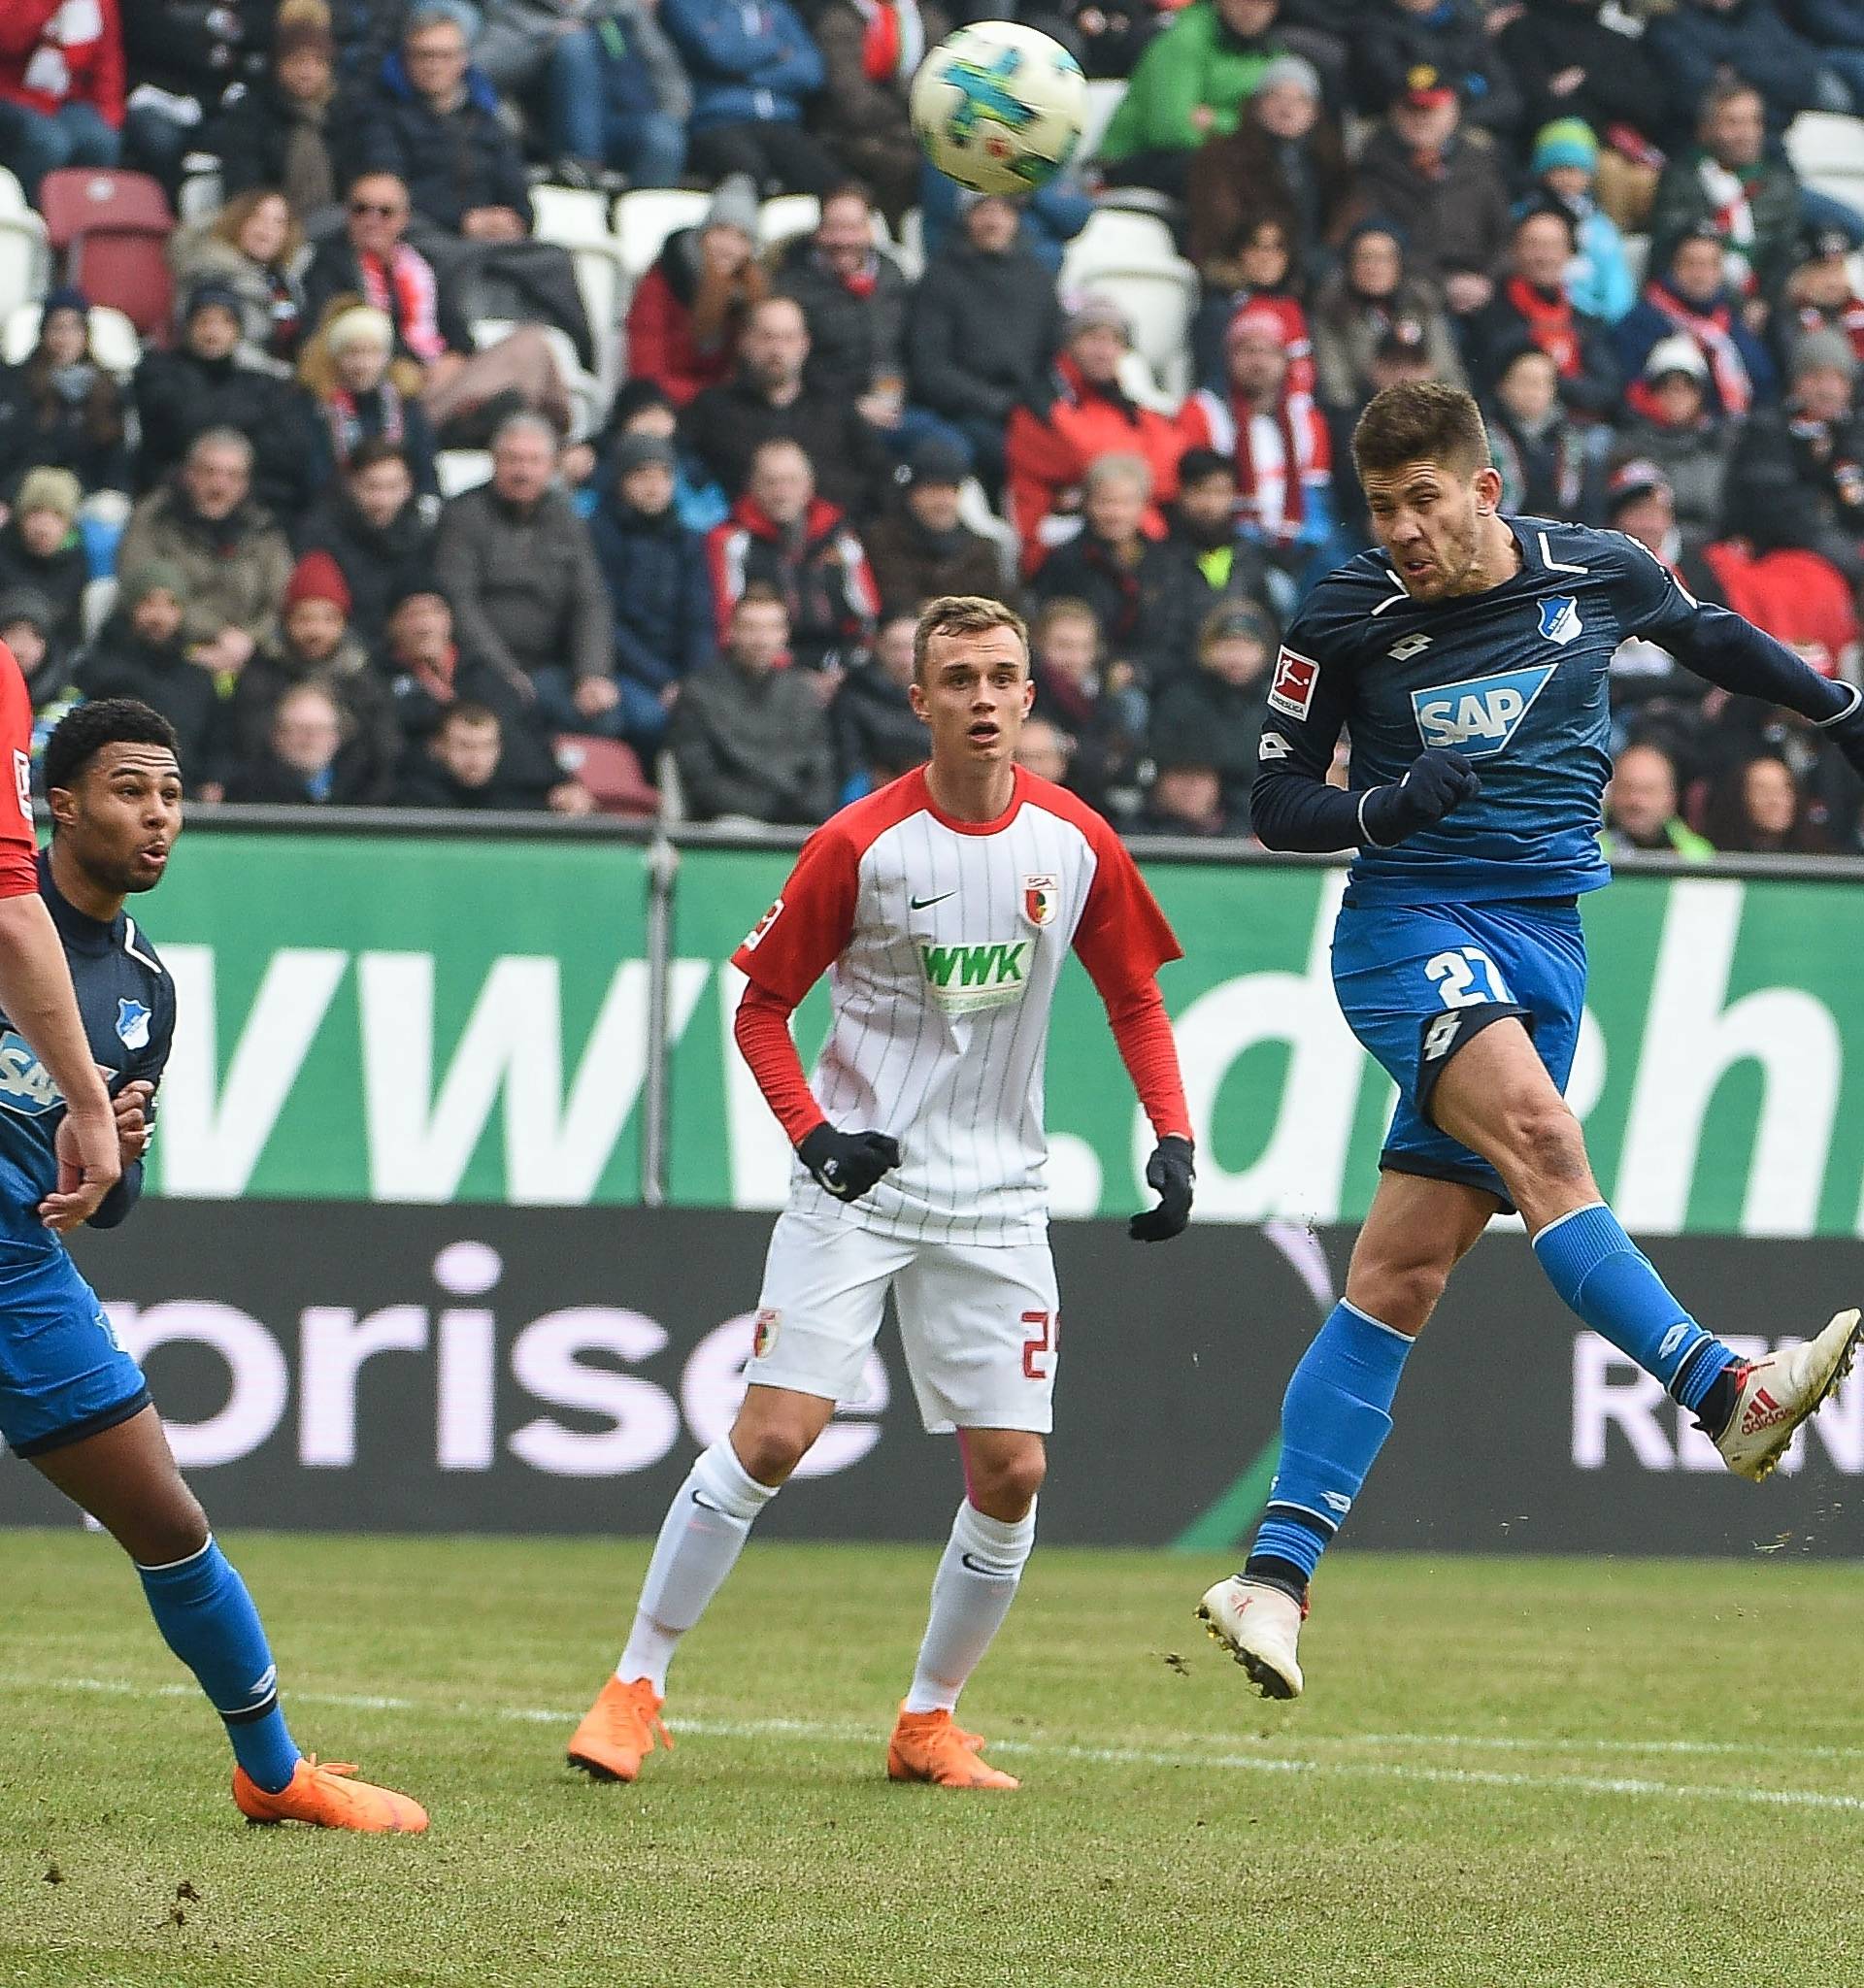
{"x":62,"y":1374}
{"x":1476,"y":914}
{"x":1461,"y":908}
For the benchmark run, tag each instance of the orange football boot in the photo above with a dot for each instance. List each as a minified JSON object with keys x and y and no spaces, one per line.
{"x":619,"y":1730}
{"x":326,"y":1793}
{"x":931,"y":1746}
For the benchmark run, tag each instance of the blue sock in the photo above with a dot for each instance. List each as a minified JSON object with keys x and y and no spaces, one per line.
{"x":1604,"y":1277}
{"x":1335,"y":1416}
{"x":208,"y":1619}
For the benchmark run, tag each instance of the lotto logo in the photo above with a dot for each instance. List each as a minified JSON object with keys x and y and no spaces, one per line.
{"x":1292,"y":690}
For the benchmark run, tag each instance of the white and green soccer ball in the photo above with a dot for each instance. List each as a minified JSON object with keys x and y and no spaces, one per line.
{"x":999,"y":106}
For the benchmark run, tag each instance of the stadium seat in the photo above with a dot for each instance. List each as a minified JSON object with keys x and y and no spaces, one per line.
{"x":25,"y":259}
{"x":974,"y":509}
{"x":13,"y":196}
{"x":1160,"y":303}
{"x":1637,"y":257}
{"x":100,"y":596}
{"x":911,"y":251}
{"x":644,"y":219}
{"x":1115,"y":238}
{"x":785,"y":215}
{"x":1138,"y":381}
{"x":1103,"y":100}
{"x":462,"y":469}
{"x":578,"y":222}
{"x":202,"y":195}
{"x":1827,"y":149}
{"x":612,"y":771}
{"x":113,"y":338}
{"x":589,"y":397}
{"x":113,"y":229}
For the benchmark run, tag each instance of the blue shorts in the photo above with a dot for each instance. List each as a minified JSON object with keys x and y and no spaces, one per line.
{"x":1400,"y":970}
{"x":62,"y":1374}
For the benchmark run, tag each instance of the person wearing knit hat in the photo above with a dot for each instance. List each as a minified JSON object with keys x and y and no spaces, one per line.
{"x":152,"y":577}
{"x":317,"y":577}
{"x":1096,"y":311}
{"x":1566,"y":159}
{"x":38,"y":548}
{"x":734,"y":205}
{"x":360,"y":324}
{"x":25,"y":606}
{"x":28,"y":629}
{"x":1290,"y":72}
{"x":1823,"y":351}
{"x":212,"y":295}
{"x":640,"y":451}
{"x":50,"y":489}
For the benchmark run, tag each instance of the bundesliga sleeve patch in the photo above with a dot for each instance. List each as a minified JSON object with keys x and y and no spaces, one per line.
{"x":1293,"y":691}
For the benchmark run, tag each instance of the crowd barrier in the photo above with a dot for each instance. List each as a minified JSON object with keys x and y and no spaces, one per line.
{"x":456,"y":1208}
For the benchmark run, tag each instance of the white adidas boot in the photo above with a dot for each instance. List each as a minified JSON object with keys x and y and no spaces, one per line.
{"x":1259,"y":1626}
{"x":1779,"y":1393}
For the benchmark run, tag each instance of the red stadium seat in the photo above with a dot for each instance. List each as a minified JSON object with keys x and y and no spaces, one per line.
{"x":111,"y":229}
{"x":611,"y":773}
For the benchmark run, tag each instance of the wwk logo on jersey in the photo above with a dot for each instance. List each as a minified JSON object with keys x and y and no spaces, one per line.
{"x":965,"y":977}
{"x":1292,"y":690}
{"x":1559,"y":619}
{"x":1480,"y":717}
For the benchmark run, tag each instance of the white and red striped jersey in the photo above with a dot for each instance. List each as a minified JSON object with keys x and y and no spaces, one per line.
{"x":944,"y":942}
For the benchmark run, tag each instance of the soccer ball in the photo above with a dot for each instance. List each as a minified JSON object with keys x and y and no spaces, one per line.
{"x":999,"y":106}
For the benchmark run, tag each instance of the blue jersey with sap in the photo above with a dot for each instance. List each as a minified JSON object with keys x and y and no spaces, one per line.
{"x":127,"y":1002}
{"x":1514,"y":679}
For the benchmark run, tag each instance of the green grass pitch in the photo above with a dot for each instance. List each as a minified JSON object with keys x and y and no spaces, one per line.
{"x":1516,"y":1772}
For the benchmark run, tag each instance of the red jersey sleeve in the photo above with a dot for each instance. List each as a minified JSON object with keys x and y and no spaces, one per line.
{"x":18,"y":838}
{"x":1122,"y":937}
{"x":795,"y":942}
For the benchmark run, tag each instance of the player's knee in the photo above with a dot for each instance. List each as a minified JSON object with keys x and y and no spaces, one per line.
{"x":1401,"y":1292}
{"x":158,"y":1534}
{"x":1006,"y":1488}
{"x":1543,"y":1141}
{"x":771,"y":1448}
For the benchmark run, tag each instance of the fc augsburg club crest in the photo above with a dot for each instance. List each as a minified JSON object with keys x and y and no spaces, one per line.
{"x":1040,"y":899}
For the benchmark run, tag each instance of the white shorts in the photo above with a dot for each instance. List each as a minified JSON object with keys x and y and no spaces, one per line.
{"x":977,"y":1322}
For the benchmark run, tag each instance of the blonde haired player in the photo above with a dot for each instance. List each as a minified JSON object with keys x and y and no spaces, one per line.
{"x":942,"y":907}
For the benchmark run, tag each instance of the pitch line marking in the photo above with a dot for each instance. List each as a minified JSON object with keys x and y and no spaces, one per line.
{"x":822,"y":1732}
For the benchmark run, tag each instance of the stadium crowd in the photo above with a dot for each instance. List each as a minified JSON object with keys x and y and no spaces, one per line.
{"x":698,"y":536}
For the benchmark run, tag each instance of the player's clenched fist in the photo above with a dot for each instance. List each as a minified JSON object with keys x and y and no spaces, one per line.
{"x":1439,"y":780}
{"x":847,"y":1163}
{"x":1172,"y":1176}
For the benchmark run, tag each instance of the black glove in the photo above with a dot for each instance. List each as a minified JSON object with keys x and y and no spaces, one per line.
{"x":1171,"y":1175}
{"x":847,"y":1163}
{"x":1439,"y":780}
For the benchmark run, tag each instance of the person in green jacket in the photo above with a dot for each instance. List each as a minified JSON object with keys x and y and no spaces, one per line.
{"x":1641,"y":807}
{"x":1190,"y":84}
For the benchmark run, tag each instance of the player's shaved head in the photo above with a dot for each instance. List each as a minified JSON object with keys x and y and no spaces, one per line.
{"x":1421,"y":420}
{"x":963,"y":615}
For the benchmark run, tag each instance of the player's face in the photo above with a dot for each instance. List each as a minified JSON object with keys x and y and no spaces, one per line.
{"x":121,"y":818}
{"x":974,"y":694}
{"x":1428,"y":518}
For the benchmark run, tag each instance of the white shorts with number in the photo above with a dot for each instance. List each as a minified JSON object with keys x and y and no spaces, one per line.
{"x":977,"y":1322}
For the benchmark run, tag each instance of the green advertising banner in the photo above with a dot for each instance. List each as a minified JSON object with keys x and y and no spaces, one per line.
{"x":436,"y":1020}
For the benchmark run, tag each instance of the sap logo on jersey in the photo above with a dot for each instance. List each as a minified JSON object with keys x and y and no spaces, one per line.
{"x":1477,"y":716}
{"x":26,"y":1084}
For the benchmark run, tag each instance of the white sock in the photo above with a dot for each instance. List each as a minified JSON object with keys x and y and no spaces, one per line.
{"x":971,"y":1595}
{"x":700,"y":1539}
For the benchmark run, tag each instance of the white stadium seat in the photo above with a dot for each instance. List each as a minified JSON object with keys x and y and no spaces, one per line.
{"x":644,"y":219}
{"x":462,"y":469}
{"x":100,"y":596}
{"x":1637,"y":257}
{"x":912,"y":249}
{"x":974,"y":509}
{"x":1117,"y":240}
{"x":1827,"y":152}
{"x":1160,"y":302}
{"x":25,"y":261}
{"x":578,"y":221}
{"x":785,"y":215}
{"x":1103,"y":100}
{"x":13,"y":196}
{"x":199,"y":197}
{"x":113,"y":338}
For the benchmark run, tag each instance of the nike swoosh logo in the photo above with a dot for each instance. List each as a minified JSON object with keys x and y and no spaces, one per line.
{"x":992,"y":1572}
{"x":919,"y":903}
{"x":700,"y":1499}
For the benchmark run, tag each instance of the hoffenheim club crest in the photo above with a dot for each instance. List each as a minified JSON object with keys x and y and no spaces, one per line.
{"x":132,"y":1025}
{"x":1561,"y":619}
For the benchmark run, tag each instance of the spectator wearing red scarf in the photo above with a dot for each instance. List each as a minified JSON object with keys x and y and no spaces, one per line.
{"x":870,"y":50}
{"x":854,"y":298}
{"x":1088,"y":413}
{"x":1282,"y":452}
{"x":1688,"y":296}
{"x":61,"y":86}
{"x":1531,"y":302}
